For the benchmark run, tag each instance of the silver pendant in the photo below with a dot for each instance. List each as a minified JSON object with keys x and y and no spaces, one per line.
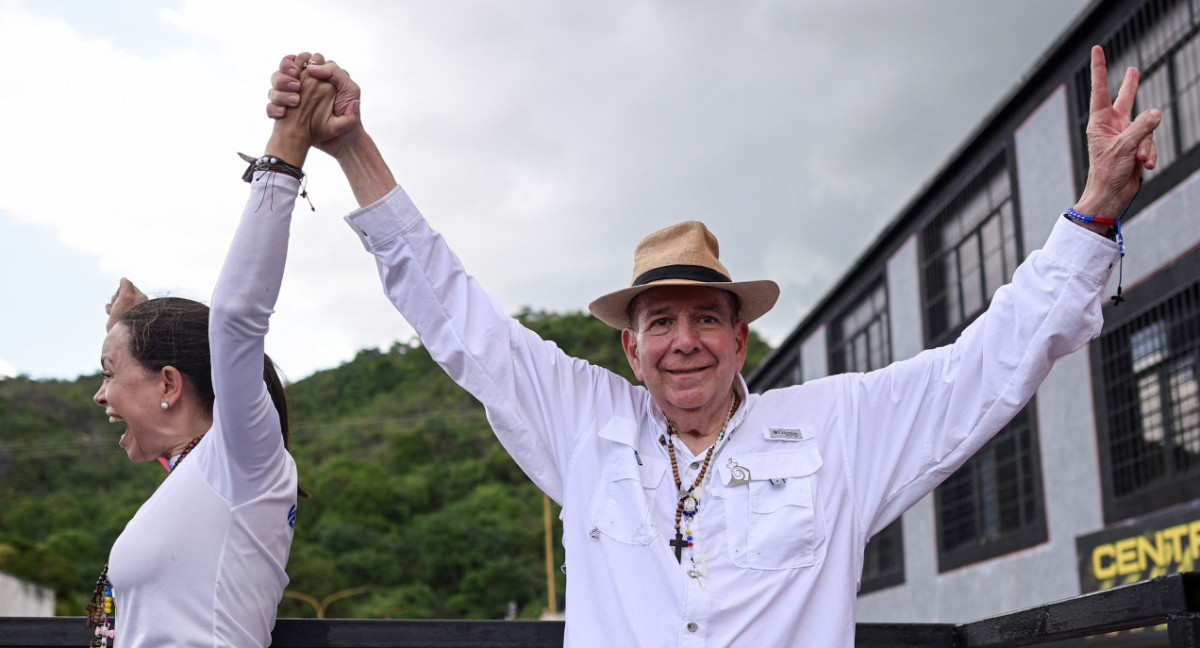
{"x":689,"y":504}
{"x":737,"y":474}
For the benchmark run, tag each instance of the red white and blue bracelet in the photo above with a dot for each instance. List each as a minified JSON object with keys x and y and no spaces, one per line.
{"x":1114,"y":223}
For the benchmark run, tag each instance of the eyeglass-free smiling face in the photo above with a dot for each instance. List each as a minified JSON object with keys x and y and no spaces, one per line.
{"x":687,"y":345}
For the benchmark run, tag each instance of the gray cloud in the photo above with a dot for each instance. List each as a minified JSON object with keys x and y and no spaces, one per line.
{"x":545,"y":138}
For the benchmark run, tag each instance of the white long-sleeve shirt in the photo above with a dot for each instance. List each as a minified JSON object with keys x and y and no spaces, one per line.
{"x":806,"y":475}
{"x":202,"y":562}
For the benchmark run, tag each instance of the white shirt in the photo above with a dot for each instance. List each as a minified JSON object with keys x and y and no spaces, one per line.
{"x":202,"y":562}
{"x":830,"y":462}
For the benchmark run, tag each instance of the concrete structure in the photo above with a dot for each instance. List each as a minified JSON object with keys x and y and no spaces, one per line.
{"x":1097,"y":483}
{"x":22,"y":598}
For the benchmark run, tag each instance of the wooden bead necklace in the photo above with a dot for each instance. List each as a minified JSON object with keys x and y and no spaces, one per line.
{"x":689,"y":500}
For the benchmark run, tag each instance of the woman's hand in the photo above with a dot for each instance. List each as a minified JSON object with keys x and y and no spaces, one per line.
{"x":329,"y":129}
{"x":308,"y":123}
{"x":127,"y":295}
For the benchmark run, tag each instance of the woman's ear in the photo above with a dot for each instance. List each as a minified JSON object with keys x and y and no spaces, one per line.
{"x":172,"y":385}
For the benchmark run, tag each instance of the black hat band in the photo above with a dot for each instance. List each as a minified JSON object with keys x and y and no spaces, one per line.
{"x":688,"y":272}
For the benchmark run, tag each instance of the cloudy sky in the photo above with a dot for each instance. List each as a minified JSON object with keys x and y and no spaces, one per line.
{"x":544,"y":138}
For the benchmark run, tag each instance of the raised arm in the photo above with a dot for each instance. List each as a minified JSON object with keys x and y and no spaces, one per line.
{"x":945,"y":403}
{"x":537,"y":398}
{"x":244,"y":298}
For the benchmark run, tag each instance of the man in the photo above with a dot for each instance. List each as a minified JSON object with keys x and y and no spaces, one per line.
{"x":694,"y":512}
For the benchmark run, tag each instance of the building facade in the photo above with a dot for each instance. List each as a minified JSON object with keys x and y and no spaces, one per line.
{"x":1097,"y":482}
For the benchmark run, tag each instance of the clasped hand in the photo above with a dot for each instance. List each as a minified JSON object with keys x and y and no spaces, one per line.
{"x":330,"y":106}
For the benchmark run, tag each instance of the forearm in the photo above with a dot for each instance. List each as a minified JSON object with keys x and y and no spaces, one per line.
{"x":1105,"y":209}
{"x":943,"y":405}
{"x":369,"y":176}
{"x":288,"y":144}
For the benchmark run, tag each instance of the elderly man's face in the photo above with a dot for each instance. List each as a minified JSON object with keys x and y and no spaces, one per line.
{"x":687,"y":346}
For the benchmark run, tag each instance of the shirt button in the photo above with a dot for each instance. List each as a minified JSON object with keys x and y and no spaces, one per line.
{"x":693,"y":626}
{"x":695,"y":465}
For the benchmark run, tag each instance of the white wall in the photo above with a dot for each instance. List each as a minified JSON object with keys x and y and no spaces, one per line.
{"x":22,"y":598}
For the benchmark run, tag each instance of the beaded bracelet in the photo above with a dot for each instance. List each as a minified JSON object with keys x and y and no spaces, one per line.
{"x":1084,"y":218}
{"x":1114,"y":223}
{"x":269,"y":163}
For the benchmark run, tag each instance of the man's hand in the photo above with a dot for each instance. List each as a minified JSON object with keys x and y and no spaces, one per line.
{"x":306,"y":124}
{"x":329,"y":129}
{"x":127,"y":295}
{"x":1118,"y":149}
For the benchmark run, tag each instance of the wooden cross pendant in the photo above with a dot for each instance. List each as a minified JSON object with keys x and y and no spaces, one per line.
{"x":679,"y":543}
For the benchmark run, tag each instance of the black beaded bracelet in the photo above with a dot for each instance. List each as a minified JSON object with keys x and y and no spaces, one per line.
{"x":269,"y":163}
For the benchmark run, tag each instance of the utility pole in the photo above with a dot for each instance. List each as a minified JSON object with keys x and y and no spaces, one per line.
{"x":549,"y":553}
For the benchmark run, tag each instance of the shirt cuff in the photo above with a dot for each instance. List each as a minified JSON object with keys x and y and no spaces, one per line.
{"x":272,"y":179}
{"x":1086,"y":252}
{"x":384,"y":220}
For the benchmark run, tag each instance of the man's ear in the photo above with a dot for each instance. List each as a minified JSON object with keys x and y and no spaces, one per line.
{"x":741,"y":332}
{"x":629,"y":341}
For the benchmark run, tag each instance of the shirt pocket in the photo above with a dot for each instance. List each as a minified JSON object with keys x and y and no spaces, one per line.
{"x":621,"y":504}
{"x":775,"y":520}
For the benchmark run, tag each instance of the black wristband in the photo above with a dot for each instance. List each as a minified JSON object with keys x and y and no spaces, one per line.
{"x":269,"y":163}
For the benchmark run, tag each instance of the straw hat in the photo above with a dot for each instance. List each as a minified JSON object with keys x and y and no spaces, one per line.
{"x":685,"y":254}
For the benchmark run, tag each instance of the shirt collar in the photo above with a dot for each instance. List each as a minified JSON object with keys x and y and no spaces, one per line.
{"x":659,"y":418}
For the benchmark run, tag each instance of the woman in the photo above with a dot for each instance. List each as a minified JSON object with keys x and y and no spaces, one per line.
{"x":202,"y":562}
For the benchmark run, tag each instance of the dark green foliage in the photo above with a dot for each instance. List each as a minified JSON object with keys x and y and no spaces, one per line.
{"x":413,"y":498}
{"x":66,"y":489}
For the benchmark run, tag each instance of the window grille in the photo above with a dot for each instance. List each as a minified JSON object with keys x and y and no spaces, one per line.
{"x":859,"y":341}
{"x":1160,"y":40}
{"x":883,"y":560}
{"x":1150,"y":436}
{"x":993,"y":504}
{"x":970,"y":250}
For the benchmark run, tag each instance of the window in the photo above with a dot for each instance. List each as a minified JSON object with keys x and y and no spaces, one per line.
{"x":970,"y":250}
{"x":883,"y":560}
{"x":993,"y":504}
{"x":1149,"y":396}
{"x":784,"y":370}
{"x":1160,"y":39}
{"x":859,"y":341}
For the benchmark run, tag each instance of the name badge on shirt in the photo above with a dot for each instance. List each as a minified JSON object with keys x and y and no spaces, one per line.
{"x":786,"y":434}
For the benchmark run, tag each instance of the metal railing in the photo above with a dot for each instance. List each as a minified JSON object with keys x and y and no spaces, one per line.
{"x":1172,"y":601}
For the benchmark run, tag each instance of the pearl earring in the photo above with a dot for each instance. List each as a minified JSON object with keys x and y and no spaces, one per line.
{"x":164,"y":405}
